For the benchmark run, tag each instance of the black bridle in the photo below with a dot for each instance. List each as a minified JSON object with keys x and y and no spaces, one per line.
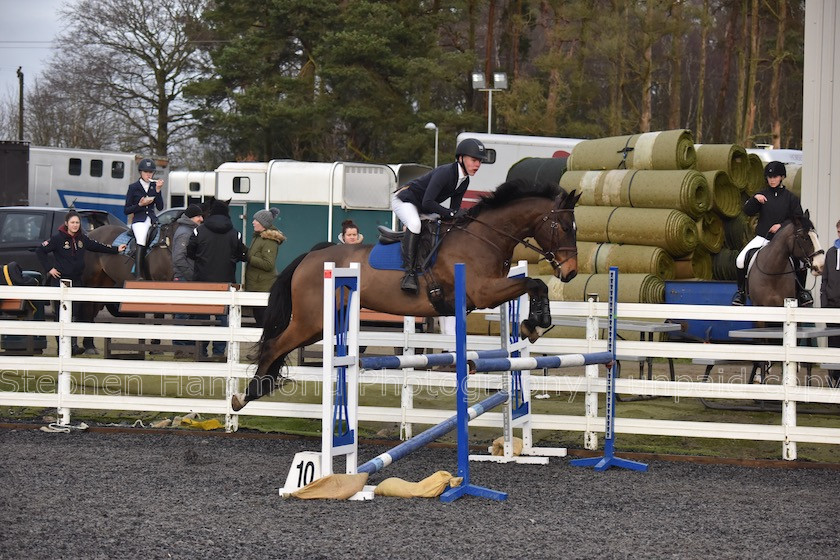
{"x":547,"y":254}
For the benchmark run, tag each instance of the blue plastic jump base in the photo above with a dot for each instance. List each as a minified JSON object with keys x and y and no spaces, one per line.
{"x":466,"y":488}
{"x":609,"y":459}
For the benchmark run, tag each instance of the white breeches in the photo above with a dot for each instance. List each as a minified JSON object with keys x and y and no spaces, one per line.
{"x":755,"y":243}
{"x":141,"y":231}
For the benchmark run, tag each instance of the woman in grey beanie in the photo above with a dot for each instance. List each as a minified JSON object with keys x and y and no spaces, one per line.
{"x":261,"y":270}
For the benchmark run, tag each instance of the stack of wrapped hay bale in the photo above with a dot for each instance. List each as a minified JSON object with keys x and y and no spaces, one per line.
{"x":655,"y":205}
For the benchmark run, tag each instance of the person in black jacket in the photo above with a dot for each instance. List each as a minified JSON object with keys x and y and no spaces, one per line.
{"x":142,"y":198}
{"x":216,"y":247}
{"x":830,"y":294}
{"x":68,"y":246}
{"x":776,"y":207}
{"x":425,"y":195}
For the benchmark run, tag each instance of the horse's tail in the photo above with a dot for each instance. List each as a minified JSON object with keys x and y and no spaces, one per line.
{"x":279,"y":310}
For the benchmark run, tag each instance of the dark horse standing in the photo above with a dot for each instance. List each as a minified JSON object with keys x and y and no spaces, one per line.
{"x":104,"y":270}
{"x":771,"y":278}
{"x":484,"y":241}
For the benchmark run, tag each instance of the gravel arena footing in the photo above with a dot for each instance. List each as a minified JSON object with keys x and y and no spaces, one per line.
{"x":124,"y":495}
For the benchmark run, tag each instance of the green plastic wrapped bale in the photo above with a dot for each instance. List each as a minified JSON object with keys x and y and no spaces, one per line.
{"x":594,"y":258}
{"x":538,"y":171}
{"x":632,"y":288}
{"x":756,"y":180}
{"x":672,"y":230}
{"x":727,"y":157}
{"x":697,"y":265}
{"x":723,"y":265}
{"x":726,"y":198}
{"x":685,"y":190}
{"x":668,"y":149}
{"x":737,"y":232}
{"x":710,"y":232}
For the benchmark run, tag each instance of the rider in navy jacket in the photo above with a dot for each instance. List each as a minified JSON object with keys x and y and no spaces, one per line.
{"x":141,"y":200}
{"x":426,"y":193}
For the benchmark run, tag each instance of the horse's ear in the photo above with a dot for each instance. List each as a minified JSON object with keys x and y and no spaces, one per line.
{"x":567,"y":200}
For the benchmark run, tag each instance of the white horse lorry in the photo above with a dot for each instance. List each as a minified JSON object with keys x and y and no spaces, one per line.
{"x":64,"y":177}
{"x":314,"y":198}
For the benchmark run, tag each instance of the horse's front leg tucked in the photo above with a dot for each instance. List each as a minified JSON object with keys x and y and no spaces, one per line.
{"x":539,"y":317}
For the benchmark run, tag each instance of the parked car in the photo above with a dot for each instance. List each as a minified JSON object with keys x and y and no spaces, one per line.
{"x":170,"y":215}
{"x":24,"y":228}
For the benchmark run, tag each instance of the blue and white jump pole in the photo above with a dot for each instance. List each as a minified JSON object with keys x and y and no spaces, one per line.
{"x":609,"y":459}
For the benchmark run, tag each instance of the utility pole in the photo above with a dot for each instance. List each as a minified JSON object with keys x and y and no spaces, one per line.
{"x":20,"y":104}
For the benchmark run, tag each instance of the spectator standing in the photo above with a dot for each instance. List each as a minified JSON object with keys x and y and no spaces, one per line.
{"x":182,"y":266}
{"x":142,"y":198}
{"x":216,"y":247}
{"x":261,"y":269}
{"x":68,"y":246}
{"x":350,"y":233}
{"x":830,"y":295}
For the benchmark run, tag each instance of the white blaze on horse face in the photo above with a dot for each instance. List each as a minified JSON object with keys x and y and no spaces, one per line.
{"x":818,"y":262}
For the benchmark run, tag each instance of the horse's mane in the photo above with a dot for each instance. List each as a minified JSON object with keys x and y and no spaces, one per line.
{"x":514,"y":190}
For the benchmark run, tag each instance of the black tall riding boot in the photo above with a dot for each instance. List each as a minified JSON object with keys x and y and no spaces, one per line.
{"x":410,"y":243}
{"x":740,"y":297}
{"x":140,"y":263}
{"x":803,"y":296}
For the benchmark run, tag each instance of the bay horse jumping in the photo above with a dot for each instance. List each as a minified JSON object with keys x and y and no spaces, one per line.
{"x":771,"y":278}
{"x":484,"y":240}
{"x":105,"y":270}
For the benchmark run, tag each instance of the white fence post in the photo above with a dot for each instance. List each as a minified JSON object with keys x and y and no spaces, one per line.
{"x":590,"y":438}
{"x":65,"y":317}
{"x":789,"y":379}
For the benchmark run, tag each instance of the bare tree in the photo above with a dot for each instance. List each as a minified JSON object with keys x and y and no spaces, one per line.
{"x":133,"y":60}
{"x":776,"y":79}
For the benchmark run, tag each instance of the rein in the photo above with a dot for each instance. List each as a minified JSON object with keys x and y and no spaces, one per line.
{"x":548,"y":255}
{"x":798,"y":240}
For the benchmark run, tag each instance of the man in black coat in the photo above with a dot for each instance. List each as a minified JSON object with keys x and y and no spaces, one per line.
{"x":216,"y":247}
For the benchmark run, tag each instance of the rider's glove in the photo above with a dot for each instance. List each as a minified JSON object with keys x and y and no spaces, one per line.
{"x":459,"y":214}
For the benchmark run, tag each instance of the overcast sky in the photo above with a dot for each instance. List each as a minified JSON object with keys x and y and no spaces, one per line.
{"x":27,"y":28}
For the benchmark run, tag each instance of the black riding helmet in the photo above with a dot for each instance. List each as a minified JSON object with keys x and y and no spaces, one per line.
{"x":775,"y":169}
{"x":147,"y":164}
{"x":473,"y":148}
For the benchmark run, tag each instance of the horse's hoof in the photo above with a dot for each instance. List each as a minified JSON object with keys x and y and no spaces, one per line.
{"x":237,"y":401}
{"x":91,"y":352}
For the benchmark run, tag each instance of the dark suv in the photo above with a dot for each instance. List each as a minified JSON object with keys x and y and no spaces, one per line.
{"x":23,"y":228}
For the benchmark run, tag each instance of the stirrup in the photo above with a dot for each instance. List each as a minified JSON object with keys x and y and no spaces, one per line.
{"x":409,"y":283}
{"x":740,"y":298}
{"x":805,"y":299}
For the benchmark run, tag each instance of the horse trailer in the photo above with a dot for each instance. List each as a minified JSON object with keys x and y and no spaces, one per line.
{"x":64,"y":177}
{"x":314,"y":198}
{"x":505,"y":150}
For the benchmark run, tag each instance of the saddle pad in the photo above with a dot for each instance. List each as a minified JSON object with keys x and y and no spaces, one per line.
{"x":127,"y":238}
{"x":386,"y":257}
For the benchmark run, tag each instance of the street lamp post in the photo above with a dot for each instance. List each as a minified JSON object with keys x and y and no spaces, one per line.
{"x":433,"y":126}
{"x":479,"y":83}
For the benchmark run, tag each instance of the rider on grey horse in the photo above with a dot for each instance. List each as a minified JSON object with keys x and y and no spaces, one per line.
{"x":775,"y":206}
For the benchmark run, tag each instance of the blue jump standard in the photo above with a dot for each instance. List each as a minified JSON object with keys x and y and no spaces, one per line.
{"x":420,"y":440}
{"x":609,"y":459}
{"x":466,"y":488}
